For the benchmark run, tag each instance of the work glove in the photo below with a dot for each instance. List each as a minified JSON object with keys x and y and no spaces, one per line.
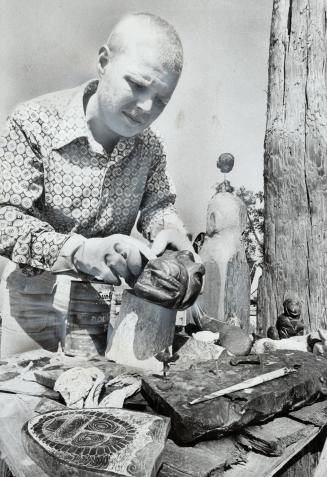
{"x":174,"y":240}
{"x":111,"y":257}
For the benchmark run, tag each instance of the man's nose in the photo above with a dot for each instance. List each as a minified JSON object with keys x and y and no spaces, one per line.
{"x":145,"y":104}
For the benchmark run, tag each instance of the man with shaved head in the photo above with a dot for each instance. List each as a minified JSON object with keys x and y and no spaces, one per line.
{"x":77,"y":167}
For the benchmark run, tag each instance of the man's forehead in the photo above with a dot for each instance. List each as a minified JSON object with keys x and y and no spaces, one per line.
{"x":146,"y":63}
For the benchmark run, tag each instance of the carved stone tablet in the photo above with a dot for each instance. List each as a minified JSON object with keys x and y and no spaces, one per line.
{"x":96,"y":442}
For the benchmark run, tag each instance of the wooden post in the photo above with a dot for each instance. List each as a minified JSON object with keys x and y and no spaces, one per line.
{"x":295,"y":260}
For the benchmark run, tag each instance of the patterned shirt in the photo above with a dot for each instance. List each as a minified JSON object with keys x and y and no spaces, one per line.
{"x":57,"y":181}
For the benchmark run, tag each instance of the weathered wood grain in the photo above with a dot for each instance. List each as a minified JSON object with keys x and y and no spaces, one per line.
{"x":234,"y":411}
{"x":295,"y":164}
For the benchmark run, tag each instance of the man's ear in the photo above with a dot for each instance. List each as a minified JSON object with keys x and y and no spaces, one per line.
{"x":103,"y":59}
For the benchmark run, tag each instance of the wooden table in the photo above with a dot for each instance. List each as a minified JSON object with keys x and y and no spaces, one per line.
{"x":298,"y":459}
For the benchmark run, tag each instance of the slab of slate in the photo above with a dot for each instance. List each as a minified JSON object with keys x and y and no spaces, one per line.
{"x":48,"y":375}
{"x":234,"y":411}
{"x":315,"y":414}
{"x":189,"y":462}
{"x":273,"y":437}
{"x":96,"y":442}
{"x":206,"y":459}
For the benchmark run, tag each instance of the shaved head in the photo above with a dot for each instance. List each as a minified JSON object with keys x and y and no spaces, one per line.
{"x":148,"y":30}
{"x":138,"y":69}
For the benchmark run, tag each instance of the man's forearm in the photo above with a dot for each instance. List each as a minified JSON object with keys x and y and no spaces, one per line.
{"x":28,"y":240}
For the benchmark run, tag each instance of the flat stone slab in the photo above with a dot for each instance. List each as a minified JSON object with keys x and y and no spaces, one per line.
{"x":96,"y":442}
{"x":234,"y":411}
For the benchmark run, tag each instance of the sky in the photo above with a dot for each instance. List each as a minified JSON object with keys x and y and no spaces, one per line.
{"x":219,"y":104}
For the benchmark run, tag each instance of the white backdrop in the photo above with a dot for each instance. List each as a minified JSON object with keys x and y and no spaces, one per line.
{"x":220,"y":102}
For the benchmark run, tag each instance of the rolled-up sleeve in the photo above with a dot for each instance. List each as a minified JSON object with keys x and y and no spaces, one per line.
{"x":157,"y":209}
{"x":24,"y":237}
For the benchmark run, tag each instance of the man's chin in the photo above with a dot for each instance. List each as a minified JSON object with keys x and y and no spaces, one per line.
{"x":129,"y":132}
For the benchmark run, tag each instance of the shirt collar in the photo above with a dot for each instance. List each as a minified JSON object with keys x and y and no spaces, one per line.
{"x":73,"y":124}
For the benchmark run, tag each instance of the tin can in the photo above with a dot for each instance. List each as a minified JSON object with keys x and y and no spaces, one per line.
{"x":88,"y":318}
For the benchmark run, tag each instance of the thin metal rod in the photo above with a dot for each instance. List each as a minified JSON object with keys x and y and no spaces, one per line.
{"x":249,"y":383}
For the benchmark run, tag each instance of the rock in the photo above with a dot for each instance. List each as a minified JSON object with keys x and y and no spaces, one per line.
{"x":232,"y":412}
{"x":75,"y":384}
{"x":206,"y":336}
{"x":264,"y":345}
{"x":233,"y":338}
{"x":194,"y":351}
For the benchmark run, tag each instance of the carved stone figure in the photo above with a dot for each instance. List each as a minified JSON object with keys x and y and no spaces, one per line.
{"x":225,"y":162}
{"x":146,"y":322}
{"x":173,"y":280}
{"x":227,"y":283}
{"x":288,"y":323}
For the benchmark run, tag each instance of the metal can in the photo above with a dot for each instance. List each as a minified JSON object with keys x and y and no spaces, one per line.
{"x":88,"y":318}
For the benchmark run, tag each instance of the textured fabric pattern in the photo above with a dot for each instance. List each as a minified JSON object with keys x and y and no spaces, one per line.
{"x":56,"y":181}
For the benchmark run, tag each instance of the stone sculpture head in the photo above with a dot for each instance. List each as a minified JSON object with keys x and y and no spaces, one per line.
{"x":292,"y":307}
{"x":225,"y":162}
{"x":173,"y":280}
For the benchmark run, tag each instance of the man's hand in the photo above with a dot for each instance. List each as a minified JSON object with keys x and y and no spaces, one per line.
{"x":111,"y":257}
{"x":174,"y":239}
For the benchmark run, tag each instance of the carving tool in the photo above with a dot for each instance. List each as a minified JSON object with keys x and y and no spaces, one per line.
{"x":249,"y":383}
{"x":165,"y":358}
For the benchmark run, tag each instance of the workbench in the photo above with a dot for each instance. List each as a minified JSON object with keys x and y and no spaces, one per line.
{"x":298,"y":459}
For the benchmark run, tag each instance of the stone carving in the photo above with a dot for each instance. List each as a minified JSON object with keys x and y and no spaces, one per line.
{"x":225,"y":162}
{"x":173,"y":280}
{"x":96,"y":442}
{"x":141,"y":331}
{"x":227,"y":283}
{"x":288,"y":323}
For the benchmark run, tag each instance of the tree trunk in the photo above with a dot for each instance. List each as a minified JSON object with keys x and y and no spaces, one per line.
{"x":295,"y":260}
